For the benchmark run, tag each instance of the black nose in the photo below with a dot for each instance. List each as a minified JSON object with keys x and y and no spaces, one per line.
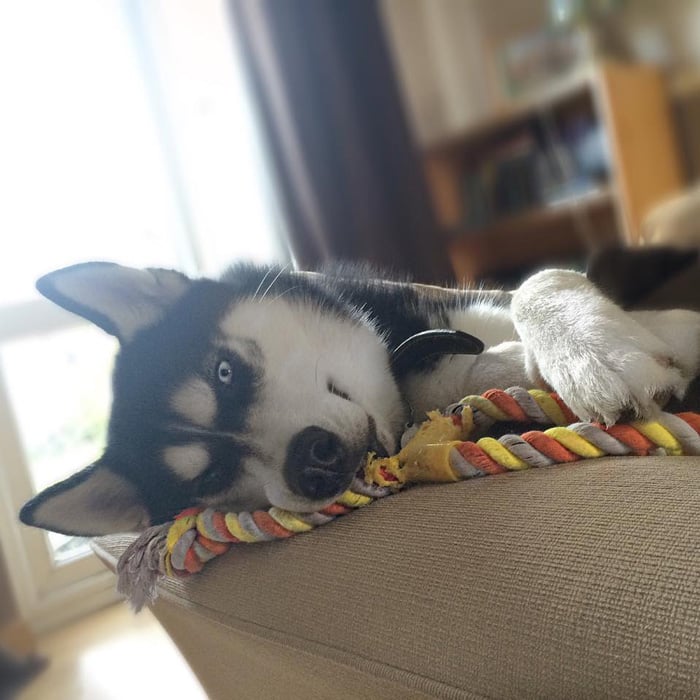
{"x":317,"y":464}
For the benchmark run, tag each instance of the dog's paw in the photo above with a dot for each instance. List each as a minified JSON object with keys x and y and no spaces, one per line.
{"x":604,"y":362}
{"x":626,"y":381}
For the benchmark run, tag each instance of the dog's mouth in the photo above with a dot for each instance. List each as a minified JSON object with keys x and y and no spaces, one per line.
{"x":374,"y":443}
{"x":320,"y":465}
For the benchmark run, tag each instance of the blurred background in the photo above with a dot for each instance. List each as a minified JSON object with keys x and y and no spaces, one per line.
{"x":468,"y":141}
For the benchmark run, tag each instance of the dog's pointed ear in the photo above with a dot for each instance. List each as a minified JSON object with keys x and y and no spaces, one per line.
{"x":120,"y":300}
{"x":95,"y":501}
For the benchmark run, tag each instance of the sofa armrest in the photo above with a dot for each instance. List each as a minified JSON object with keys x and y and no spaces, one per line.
{"x":574,"y":581}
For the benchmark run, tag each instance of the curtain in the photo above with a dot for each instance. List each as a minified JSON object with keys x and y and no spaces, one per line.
{"x":348,"y":174}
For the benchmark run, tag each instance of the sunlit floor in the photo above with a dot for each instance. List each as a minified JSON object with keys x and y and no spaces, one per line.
{"x":112,"y":655}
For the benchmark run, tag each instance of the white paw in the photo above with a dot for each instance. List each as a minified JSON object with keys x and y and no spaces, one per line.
{"x":601,"y":360}
{"x":626,"y":380}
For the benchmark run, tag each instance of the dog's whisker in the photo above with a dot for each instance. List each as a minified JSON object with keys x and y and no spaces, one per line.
{"x":262,"y":281}
{"x":206,"y":432}
{"x":318,"y":362}
{"x":286,"y":291}
{"x":277,"y":276}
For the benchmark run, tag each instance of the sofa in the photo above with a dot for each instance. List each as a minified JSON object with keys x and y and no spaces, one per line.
{"x":571,"y":581}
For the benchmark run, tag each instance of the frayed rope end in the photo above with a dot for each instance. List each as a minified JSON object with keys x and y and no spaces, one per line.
{"x":142,"y":565}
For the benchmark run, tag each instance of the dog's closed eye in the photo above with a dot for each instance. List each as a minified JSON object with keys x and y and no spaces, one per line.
{"x":333,"y":389}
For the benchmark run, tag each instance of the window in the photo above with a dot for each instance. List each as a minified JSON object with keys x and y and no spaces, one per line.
{"x":127,"y":135}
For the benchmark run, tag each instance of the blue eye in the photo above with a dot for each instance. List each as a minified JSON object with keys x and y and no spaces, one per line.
{"x":224,"y":372}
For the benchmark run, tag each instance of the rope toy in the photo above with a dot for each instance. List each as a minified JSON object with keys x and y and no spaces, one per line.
{"x":436,"y":451}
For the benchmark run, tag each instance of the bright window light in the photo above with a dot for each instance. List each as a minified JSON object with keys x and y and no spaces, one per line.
{"x":127,"y":135}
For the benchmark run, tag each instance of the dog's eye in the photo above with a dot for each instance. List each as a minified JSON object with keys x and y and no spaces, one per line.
{"x":224,"y":372}
{"x":338,"y":392}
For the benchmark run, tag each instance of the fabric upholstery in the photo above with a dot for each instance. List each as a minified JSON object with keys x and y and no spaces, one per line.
{"x":573,"y":581}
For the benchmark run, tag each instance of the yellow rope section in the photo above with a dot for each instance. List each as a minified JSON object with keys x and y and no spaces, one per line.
{"x":237,"y":530}
{"x":501,"y":454}
{"x":659,"y":436}
{"x":289,"y":520}
{"x":487,"y":407}
{"x":574,"y":442}
{"x":549,"y":406}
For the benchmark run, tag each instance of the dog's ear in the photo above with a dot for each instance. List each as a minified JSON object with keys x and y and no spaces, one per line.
{"x":95,"y":501}
{"x":120,"y":300}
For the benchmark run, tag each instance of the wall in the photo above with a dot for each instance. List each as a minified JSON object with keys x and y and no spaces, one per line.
{"x":663,"y":32}
{"x":443,"y":50}
{"x":8,"y":610}
{"x":439,"y":50}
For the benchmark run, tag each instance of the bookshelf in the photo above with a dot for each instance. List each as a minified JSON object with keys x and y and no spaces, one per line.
{"x":614,"y":119}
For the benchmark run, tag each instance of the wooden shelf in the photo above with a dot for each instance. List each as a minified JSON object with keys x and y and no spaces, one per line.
{"x":541,"y":216}
{"x":630,"y":104}
{"x":513,"y":114}
{"x":567,"y":230}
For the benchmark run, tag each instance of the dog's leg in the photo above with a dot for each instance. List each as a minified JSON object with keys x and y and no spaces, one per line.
{"x":680,"y":330}
{"x":498,"y":367}
{"x":603,"y":361}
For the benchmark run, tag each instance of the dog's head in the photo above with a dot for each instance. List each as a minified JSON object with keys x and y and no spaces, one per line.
{"x":261,"y":390}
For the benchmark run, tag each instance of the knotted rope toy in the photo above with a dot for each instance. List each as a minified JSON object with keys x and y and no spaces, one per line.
{"x":436,"y":451}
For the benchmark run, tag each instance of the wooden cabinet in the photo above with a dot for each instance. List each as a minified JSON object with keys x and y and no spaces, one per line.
{"x":631,"y":111}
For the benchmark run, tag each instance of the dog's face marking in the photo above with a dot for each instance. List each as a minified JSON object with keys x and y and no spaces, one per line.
{"x":187,"y":461}
{"x":195,"y":401}
{"x":317,"y":370}
{"x":272,"y":370}
{"x":236,"y":402}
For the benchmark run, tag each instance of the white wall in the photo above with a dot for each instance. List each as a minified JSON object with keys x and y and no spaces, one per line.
{"x":443,"y":50}
{"x":666,"y":31}
{"x":8,"y":609}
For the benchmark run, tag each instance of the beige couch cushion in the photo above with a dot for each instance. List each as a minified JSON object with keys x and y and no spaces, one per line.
{"x":574,"y":581}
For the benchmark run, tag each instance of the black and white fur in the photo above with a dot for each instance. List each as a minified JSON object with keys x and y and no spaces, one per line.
{"x":268,"y":386}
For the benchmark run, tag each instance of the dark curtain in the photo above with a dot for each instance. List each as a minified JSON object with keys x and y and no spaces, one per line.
{"x":349,"y":177}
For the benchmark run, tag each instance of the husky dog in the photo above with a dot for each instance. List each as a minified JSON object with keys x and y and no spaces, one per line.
{"x":268,"y":386}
